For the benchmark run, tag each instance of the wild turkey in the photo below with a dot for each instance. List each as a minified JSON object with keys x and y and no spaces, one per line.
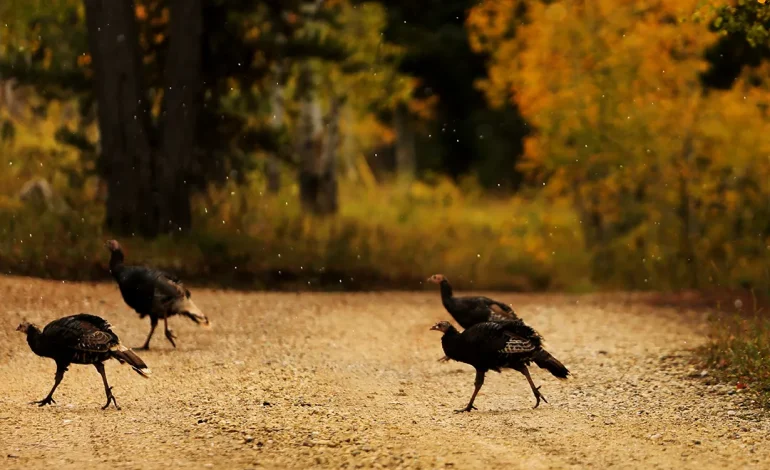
{"x":468,"y":311}
{"x":80,"y":339}
{"x":471,"y":310}
{"x":152,"y":293}
{"x":497,"y":345}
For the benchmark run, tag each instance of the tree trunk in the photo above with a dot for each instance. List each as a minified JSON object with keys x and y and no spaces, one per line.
{"x":348,"y":152}
{"x":688,"y":227}
{"x":405,"y":152}
{"x":148,"y":191}
{"x":278,"y":109}
{"x":123,"y":116}
{"x":317,"y":149}
{"x":181,"y":104}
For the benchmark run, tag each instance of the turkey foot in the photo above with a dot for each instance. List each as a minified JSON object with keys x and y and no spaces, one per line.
{"x":467,"y":408}
{"x":443,"y":359}
{"x":538,"y":396}
{"x":43,"y":402}
{"x":110,"y":399}
{"x":170,"y":336}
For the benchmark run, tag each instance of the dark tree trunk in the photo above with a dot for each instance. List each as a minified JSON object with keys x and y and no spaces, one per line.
{"x":123,"y":115}
{"x":405,"y":152}
{"x":317,"y":149}
{"x":147,"y":186}
{"x":278,"y":109}
{"x":181,"y":104}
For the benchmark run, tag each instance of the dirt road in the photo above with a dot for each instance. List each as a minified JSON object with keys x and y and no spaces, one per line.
{"x":352,"y":381}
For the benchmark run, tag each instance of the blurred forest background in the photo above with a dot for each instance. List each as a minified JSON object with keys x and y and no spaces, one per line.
{"x":339,"y":144}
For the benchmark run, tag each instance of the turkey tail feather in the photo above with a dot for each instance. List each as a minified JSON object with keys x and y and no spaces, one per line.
{"x":545,"y":360}
{"x":123,"y":354}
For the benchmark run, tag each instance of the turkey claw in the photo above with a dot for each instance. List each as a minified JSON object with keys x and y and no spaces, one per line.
{"x":467,"y":408}
{"x":111,"y":399}
{"x":43,"y":402}
{"x":171,"y":337}
{"x":443,"y":359}
{"x":539,"y":396}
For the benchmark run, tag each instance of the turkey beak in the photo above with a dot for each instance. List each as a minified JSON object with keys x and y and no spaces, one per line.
{"x":434,"y":327}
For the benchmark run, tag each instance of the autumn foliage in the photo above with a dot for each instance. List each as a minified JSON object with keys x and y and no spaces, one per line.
{"x":669,"y":179}
{"x":634,"y":174}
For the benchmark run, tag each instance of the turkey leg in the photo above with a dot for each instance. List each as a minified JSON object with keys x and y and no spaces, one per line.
{"x":536,"y":390}
{"x":169,"y":334}
{"x":107,"y":389}
{"x":60,"y":370}
{"x":153,"y":325}
{"x":478,"y":383}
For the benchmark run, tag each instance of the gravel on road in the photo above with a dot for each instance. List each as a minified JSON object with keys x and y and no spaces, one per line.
{"x":314,"y":380}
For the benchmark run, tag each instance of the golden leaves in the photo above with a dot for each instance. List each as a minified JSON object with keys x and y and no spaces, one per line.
{"x":612,"y":88}
{"x":141,"y":12}
{"x":84,"y":60}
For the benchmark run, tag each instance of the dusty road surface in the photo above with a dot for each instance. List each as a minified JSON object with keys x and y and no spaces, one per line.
{"x":352,"y":381}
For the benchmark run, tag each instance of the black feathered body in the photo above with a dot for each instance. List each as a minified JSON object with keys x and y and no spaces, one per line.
{"x":77,"y":339}
{"x":497,"y":345}
{"x":81,"y":339}
{"x":469,"y":311}
{"x":151,"y":292}
{"x":148,"y":291}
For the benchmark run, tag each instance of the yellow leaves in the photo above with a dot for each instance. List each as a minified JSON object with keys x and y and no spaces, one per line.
{"x":488,"y":22}
{"x":252,"y":33}
{"x":556,"y":12}
{"x":575,"y":66}
{"x":47,"y":58}
{"x":423,"y":108}
{"x":612,"y":88}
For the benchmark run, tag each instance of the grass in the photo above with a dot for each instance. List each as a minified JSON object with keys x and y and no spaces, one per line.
{"x":739,"y":352}
{"x":384,"y":237}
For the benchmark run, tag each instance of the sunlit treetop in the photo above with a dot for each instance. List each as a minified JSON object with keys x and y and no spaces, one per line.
{"x":746,"y":17}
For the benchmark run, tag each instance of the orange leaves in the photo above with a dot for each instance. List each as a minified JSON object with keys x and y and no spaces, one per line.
{"x":84,"y":60}
{"x":292,"y":18}
{"x":423,"y":108}
{"x":141,"y":12}
{"x":489,"y":22}
{"x":572,"y":68}
{"x":612,"y":88}
{"x":252,"y":33}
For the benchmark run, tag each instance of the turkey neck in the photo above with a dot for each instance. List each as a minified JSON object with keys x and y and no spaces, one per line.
{"x":116,"y":263}
{"x":33,"y":339}
{"x":446,"y":293}
{"x":448,"y":341}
